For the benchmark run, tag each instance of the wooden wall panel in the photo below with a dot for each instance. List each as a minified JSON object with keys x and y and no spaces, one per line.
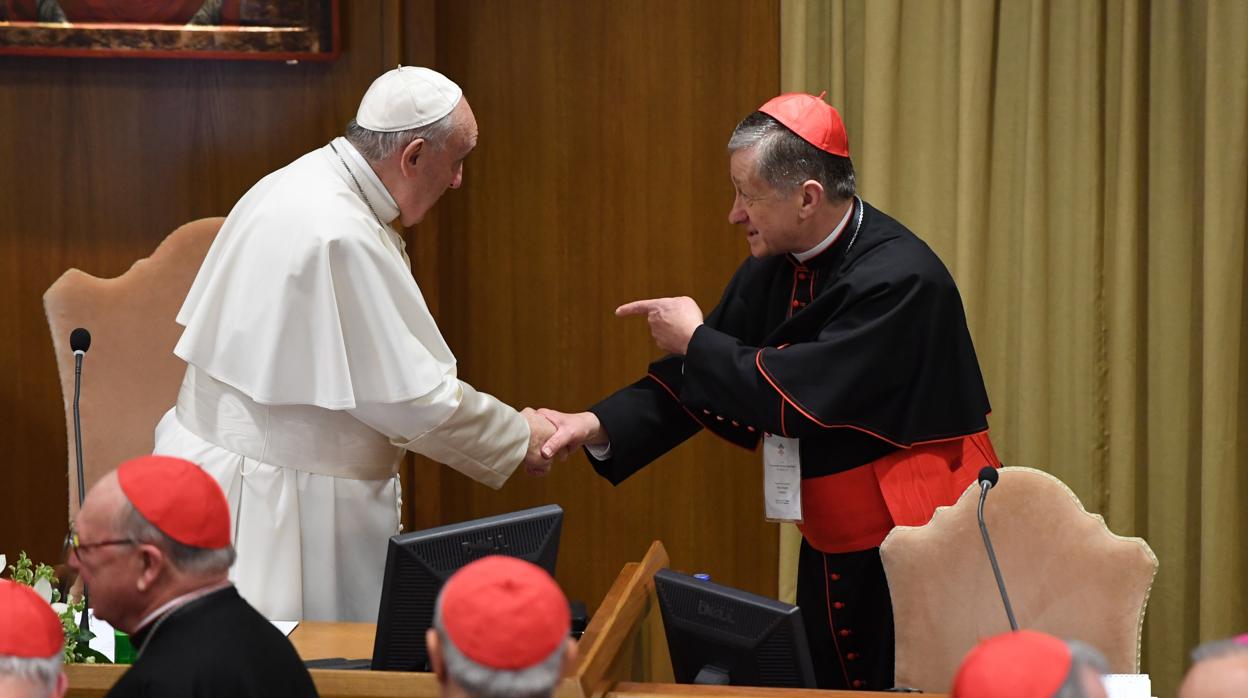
{"x":602,"y":177}
{"x":99,"y":160}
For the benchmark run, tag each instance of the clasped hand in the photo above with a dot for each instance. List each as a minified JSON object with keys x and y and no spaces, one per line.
{"x":540,"y":431}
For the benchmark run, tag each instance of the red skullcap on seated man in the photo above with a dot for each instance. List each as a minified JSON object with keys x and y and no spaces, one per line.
{"x":151,"y":543}
{"x":31,"y":640}
{"x":1028,"y":664}
{"x":501,"y":628}
{"x":178,"y":498}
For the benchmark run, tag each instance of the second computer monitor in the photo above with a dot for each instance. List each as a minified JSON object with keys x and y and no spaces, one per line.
{"x":720,"y":635}
{"x":419,"y":563}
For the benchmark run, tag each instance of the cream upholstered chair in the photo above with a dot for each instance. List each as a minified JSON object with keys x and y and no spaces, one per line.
{"x":1065,"y":572}
{"x":130,"y":375}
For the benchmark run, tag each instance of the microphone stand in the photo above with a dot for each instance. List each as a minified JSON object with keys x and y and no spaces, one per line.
{"x":85,"y":622}
{"x":992,"y":556}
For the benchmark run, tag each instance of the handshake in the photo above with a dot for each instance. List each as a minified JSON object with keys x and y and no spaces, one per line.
{"x":672,"y":324}
{"x":554,"y":433}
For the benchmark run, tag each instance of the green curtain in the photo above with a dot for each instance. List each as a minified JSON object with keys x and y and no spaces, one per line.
{"x":1082,"y":168}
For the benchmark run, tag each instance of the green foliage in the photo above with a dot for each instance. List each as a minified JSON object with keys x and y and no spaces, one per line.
{"x":77,"y":651}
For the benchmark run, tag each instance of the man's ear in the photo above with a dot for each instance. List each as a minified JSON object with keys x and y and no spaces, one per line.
{"x":812,"y":194}
{"x":411,"y":154}
{"x":153,"y":562}
{"x":435,"y":655}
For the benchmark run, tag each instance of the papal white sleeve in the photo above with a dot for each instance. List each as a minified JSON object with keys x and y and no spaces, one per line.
{"x":457,"y":425}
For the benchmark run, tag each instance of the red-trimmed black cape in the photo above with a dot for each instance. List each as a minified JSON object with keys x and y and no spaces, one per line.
{"x":856,"y":354}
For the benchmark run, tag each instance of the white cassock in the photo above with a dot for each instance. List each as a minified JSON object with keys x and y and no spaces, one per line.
{"x":313,"y":362}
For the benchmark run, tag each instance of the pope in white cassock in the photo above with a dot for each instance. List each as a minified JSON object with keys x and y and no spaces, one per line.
{"x":313,"y":361}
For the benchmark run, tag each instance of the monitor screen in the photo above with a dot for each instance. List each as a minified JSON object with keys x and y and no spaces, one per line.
{"x":419,"y":563}
{"x":720,"y":635}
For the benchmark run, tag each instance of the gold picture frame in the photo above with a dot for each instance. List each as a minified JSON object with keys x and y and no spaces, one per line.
{"x":275,"y":30}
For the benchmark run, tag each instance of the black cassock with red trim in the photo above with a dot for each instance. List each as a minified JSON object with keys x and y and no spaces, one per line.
{"x":863,"y":353}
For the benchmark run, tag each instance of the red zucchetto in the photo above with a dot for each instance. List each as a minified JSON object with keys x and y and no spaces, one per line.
{"x":816,"y":121}
{"x":179,"y":498}
{"x":504,"y":613}
{"x":29,"y":628}
{"x":1020,"y":664}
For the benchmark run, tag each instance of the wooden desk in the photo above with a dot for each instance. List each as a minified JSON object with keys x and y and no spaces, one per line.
{"x":320,"y":640}
{"x":623,"y":645}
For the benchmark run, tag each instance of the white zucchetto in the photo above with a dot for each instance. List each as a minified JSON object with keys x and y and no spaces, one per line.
{"x":405,"y":98}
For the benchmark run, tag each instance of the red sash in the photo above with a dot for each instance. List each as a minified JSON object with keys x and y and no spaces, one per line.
{"x":855,"y":509}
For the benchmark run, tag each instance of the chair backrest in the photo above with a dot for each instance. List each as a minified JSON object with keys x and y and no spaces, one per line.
{"x":130,"y":376}
{"x":1065,"y":572}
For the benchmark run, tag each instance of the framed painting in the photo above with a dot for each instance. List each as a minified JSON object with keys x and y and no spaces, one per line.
{"x":278,"y":30}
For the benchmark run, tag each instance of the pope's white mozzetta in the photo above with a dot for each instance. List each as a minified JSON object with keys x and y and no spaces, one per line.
{"x":313,"y":362}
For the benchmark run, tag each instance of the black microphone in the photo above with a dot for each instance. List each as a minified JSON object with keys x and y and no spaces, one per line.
{"x":987,"y":479}
{"x":80,"y":342}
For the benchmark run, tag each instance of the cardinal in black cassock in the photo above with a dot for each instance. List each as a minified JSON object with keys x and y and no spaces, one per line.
{"x":152,"y":544}
{"x":843,"y":339}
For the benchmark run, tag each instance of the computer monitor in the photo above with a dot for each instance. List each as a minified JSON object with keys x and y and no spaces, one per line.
{"x":419,"y":563}
{"x":720,"y":635}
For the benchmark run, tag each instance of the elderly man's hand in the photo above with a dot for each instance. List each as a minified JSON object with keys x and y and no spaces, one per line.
{"x":672,"y":320}
{"x":572,"y":431}
{"x":540,"y":430}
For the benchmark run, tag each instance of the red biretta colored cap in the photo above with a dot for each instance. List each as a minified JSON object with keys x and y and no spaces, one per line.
{"x":29,"y":628}
{"x":505,"y":613}
{"x":179,"y":498}
{"x":816,"y":121}
{"x":1020,"y":664}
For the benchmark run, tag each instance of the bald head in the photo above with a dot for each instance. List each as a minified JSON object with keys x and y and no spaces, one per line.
{"x":102,"y":507}
{"x":1223,"y":676}
{"x":131,"y":566}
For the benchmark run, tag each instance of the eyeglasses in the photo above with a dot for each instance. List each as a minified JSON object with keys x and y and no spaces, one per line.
{"x":72,"y":543}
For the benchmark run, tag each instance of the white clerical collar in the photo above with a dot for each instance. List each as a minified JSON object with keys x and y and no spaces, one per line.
{"x":827,"y":242}
{"x":374,"y":190}
{"x":180,"y":601}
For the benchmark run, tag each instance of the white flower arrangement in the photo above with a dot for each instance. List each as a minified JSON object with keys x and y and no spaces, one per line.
{"x":42,"y":578}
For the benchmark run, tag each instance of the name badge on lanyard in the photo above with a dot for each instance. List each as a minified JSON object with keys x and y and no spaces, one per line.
{"x":782,"y":479}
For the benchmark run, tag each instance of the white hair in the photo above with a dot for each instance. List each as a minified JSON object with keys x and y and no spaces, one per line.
{"x":1216,"y":649}
{"x":1081,"y":655}
{"x":537,"y":681}
{"x":39,"y":672}
{"x":187,"y":558}
{"x":376,"y":146}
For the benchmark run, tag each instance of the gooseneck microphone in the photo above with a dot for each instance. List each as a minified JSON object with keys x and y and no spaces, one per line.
{"x":80,"y":342}
{"x":987,"y":479}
